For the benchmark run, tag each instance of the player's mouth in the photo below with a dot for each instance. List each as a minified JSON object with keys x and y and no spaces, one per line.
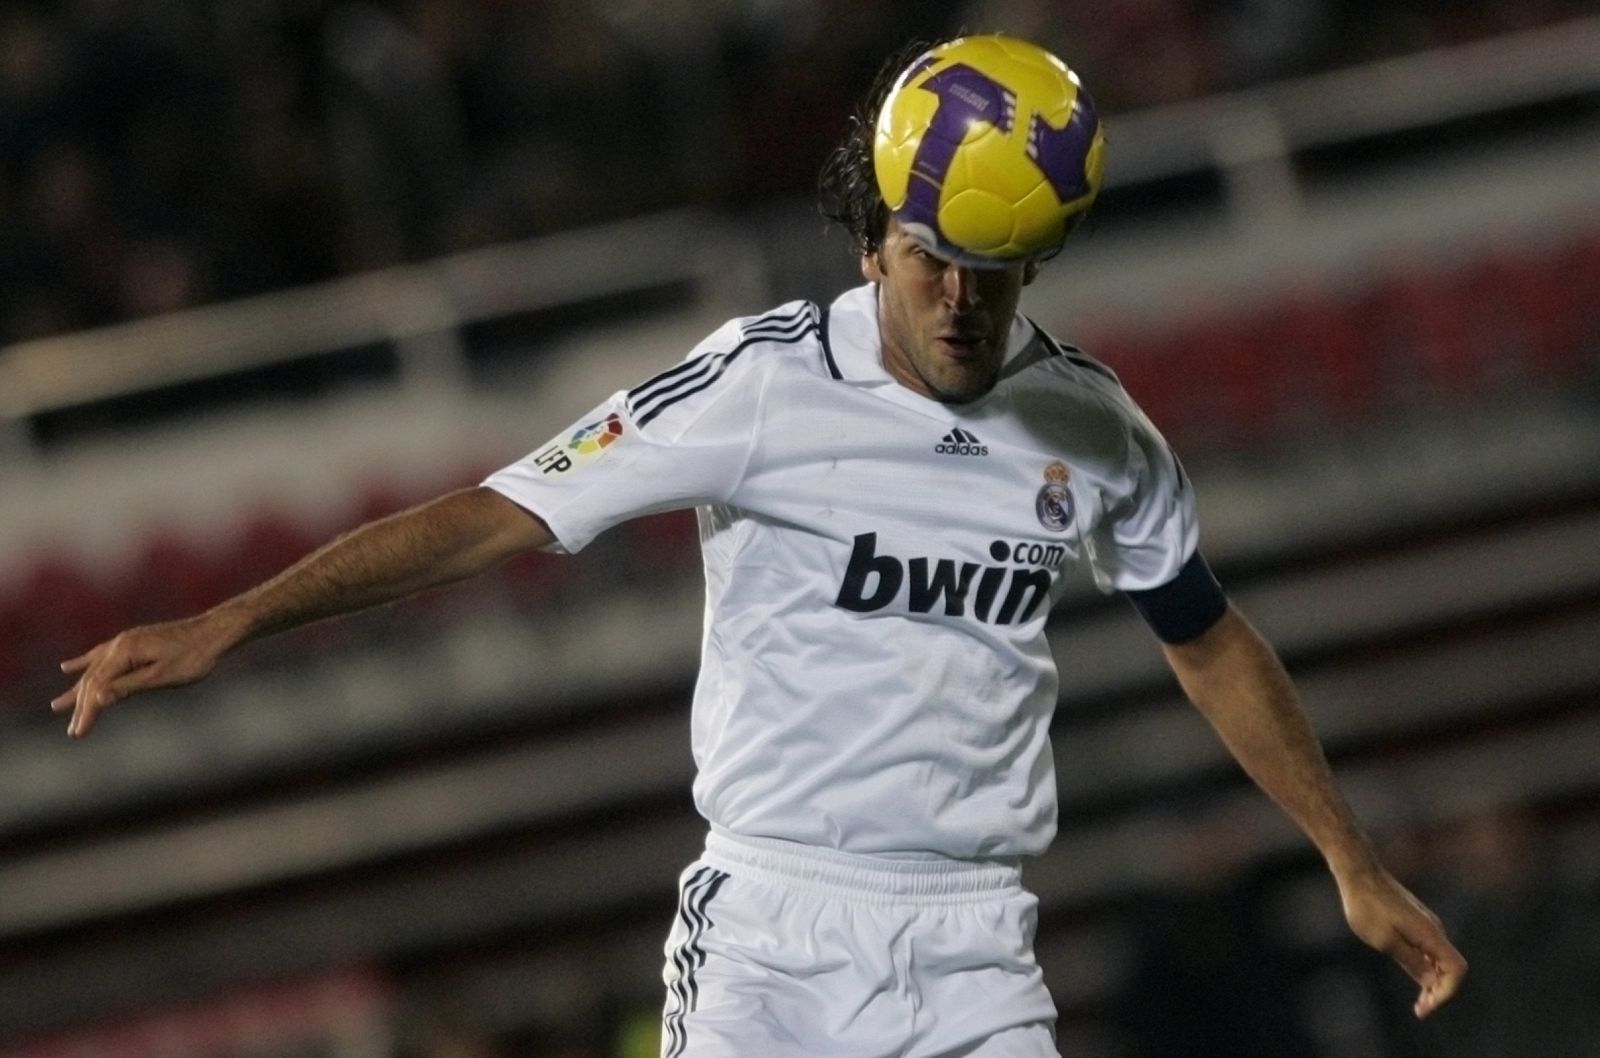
{"x":962,"y":344}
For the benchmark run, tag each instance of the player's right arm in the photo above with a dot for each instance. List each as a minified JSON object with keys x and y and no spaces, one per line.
{"x":451,"y":538}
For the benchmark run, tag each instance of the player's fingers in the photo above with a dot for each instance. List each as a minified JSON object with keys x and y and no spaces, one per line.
{"x":1439,"y":994}
{"x":93,"y":693}
{"x":1424,"y":952}
{"x":126,"y":670}
{"x":83,"y":712}
{"x":1412,"y":959}
{"x":139,"y":678}
{"x":82,"y":722}
{"x":87,"y":702}
{"x":81,"y":698}
{"x":89,"y":705}
{"x":78,"y":665}
{"x":64,"y":700}
{"x":1448,"y":969}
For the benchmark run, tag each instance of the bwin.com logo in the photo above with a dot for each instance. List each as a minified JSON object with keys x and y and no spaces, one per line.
{"x":1006,"y":594}
{"x":959,"y":442}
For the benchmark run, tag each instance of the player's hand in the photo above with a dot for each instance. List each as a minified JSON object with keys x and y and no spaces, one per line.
{"x":1385,"y":915}
{"x":138,"y":660}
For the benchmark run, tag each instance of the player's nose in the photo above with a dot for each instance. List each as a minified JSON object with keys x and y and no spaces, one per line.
{"x":960,"y":287}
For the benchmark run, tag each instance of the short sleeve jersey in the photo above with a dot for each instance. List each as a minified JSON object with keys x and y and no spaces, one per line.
{"x":875,"y":676}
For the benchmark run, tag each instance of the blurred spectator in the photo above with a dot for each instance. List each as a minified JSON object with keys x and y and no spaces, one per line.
{"x":1267,"y":39}
{"x":156,"y":155}
{"x":1175,"y":60}
{"x":1207,"y":978}
{"x":435,"y":1027}
{"x":395,"y":135}
{"x":1532,"y":938}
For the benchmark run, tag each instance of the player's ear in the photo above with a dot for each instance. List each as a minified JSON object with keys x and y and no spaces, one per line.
{"x":871,"y":268}
{"x":1030,"y":272}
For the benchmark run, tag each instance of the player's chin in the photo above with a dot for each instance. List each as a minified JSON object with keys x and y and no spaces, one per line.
{"x":964,"y":383}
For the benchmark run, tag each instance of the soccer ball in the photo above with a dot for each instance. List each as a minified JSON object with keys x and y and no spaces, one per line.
{"x":988,"y":150}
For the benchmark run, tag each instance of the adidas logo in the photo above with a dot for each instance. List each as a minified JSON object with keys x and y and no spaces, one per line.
{"x":959,"y":442}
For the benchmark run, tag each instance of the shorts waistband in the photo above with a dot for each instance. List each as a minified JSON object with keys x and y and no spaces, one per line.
{"x":852,"y":876}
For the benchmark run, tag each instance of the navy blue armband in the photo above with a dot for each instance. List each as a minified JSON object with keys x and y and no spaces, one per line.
{"x":1185,"y":606}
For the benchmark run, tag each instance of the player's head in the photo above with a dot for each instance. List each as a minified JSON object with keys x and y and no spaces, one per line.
{"x":944,"y":327}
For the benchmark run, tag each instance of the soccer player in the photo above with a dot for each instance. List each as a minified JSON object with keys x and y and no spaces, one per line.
{"x":891,"y":491}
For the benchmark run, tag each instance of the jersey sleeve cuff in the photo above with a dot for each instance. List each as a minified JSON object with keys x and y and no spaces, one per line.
{"x":566,"y":541}
{"x":1184,"y":607}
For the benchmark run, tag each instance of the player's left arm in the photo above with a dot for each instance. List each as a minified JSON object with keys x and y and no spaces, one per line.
{"x":1234,"y":677}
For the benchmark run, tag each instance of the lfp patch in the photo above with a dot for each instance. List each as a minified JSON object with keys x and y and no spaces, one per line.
{"x":583,"y":444}
{"x":587,"y":440}
{"x":1054,"y":501}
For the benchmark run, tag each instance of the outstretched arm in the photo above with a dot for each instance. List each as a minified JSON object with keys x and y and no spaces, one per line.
{"x":448,"y":539}
{"x":1236,"y":681}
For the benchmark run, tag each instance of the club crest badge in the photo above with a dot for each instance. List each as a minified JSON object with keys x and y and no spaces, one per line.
{"x":1054,"y":501}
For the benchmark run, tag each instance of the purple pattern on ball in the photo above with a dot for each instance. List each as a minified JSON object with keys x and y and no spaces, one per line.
{"x":965,"y":96}
{"x":1061,"y":152}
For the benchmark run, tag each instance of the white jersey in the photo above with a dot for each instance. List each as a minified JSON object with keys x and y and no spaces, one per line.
{"x":875,"y":676}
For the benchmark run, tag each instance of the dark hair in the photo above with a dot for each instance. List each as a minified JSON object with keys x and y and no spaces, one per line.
{"x":848,"y":186}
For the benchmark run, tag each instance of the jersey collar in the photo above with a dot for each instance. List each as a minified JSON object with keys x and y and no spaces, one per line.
{"x":855,"y":349}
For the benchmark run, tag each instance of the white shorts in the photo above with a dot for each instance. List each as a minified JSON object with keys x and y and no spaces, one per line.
{"x":782,"y":950}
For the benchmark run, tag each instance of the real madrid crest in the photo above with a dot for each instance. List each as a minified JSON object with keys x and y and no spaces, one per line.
{"x":1054,"y":502}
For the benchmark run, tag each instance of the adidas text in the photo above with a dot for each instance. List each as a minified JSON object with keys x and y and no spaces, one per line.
{"x":959,"y":442}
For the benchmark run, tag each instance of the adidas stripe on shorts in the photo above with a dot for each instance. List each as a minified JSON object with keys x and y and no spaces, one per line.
{"x":781,"y":950}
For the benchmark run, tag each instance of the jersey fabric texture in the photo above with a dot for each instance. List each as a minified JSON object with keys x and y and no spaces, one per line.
{"x":788,"y":952}
{"x":875,"y":677}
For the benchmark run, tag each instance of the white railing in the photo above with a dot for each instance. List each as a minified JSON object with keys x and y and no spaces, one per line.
{"x":1248,"y":137}
{"x":420,"y":310}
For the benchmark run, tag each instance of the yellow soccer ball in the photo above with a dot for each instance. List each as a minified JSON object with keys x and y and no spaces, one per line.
{"x":988,"y":150}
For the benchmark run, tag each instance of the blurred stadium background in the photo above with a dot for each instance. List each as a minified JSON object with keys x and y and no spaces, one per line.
{"x":270,"y":267}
